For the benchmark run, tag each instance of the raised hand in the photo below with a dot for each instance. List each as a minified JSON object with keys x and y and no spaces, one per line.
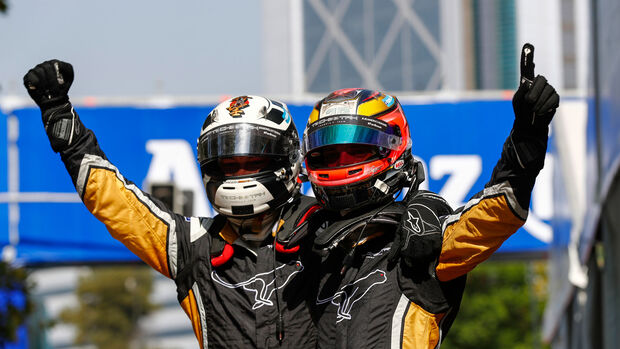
{"x":48,"y":83}
{"x":534,"y":105}
{"x":536,"y":101}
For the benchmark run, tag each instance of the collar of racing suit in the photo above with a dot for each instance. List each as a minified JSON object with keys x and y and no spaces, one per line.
{"x":289,"y":226}
{"x":255,"y":230}
{"x":346,"y":231}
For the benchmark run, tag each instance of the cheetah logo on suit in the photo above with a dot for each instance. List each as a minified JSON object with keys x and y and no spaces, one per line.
{"x":262,"y":285}
{"x":351,"y":293}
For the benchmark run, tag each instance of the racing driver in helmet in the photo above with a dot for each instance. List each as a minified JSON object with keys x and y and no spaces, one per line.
{"x":393,"y":273}
{"x":238,"y":287}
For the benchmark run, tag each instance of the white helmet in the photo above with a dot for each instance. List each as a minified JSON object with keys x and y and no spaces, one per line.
{"x":249,"y":126}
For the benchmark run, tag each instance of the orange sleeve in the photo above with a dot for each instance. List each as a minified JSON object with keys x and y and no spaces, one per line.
{"x":478,"y":230}
{"x":129,"y":214}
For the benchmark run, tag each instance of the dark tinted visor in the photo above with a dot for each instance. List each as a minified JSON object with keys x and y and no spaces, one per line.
{"x":240,"y":140}
{"x":342,"y":155}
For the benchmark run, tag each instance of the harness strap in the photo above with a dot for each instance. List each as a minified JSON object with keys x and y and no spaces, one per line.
{"x":339,"y":227}
{"x":298,"y":221}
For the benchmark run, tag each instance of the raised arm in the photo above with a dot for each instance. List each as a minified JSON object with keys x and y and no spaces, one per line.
{"x":142,"y":223}
{"x":479,"y":228}
{"x":456,"y":242}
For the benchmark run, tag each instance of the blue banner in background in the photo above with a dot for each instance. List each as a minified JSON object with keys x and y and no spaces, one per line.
{"x":65,"y":232}
{"x":4,"y":207}
{"x":459,"y":144}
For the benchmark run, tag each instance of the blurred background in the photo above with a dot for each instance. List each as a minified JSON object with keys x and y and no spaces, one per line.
{"x":148,"y":72}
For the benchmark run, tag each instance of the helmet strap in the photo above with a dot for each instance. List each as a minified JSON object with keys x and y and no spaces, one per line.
{"x":417,"y":178}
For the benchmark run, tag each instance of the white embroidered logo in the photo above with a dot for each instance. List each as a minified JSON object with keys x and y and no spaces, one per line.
{"x":262,"y":285}
{"x":416,"y":225}
{"x":414,"y":222}
{"x":350,"y":293}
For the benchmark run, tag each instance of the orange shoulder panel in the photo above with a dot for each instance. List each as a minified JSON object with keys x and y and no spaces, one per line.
{"x":127,"y":218}
{"x":472,"y":238}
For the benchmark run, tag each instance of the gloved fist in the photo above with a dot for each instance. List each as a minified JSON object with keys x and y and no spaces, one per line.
{"x":536,"y":101}
{"x":534,"y":105}
{"x":48,"y":83}
{"x":419,"y":237}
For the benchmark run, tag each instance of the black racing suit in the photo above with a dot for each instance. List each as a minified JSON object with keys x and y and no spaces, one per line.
{"x":233,"y":305}
{"x":376,"y":304}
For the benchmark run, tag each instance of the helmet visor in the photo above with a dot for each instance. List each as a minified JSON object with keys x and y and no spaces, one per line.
{"x":241,"y":140}
{"x":351,"y":129}
{"x":342,"y":155}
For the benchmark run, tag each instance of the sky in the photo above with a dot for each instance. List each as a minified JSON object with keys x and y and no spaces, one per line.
{"x":137,"y":47}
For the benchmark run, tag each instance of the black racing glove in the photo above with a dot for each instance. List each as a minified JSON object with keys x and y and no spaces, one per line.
{"x":419,"y":237}
{"x":534,"y":105}
{"x":48,"y":85}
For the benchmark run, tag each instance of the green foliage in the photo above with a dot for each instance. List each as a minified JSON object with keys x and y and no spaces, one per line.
{"x":111,"y":301}
{"x":15,"y":305}
{"x":502,"y":307}
{"x":3,"y":6}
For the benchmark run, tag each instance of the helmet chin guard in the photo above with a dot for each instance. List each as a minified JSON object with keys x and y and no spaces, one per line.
{"x":249,"y":126}
{"x":251,"y":195}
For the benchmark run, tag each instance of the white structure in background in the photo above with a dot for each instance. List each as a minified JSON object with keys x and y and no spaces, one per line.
{"x":315,"y":46}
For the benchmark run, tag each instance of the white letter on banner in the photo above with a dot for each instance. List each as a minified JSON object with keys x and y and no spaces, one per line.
{"x":174,"y":161}
{"x":463,"y":171}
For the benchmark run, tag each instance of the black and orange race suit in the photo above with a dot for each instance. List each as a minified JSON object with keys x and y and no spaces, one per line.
{"x":376,"y":304}
{"x":233,"y":305}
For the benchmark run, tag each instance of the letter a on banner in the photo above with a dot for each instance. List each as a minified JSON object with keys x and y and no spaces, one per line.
{"x":174,"y":162}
